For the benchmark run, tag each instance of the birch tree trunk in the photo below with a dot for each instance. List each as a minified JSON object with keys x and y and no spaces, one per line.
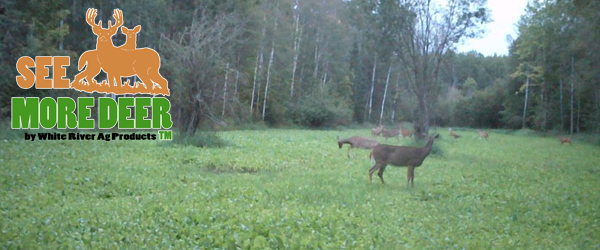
{"x":544,"y":112}
{"x":572,"y":95}
{"x":60,"y":44}
{"x":544,"y":106}
{"x":526,"y":101}
{"x":562,"y":114}
{"x":237,"y":77}
{"x":597,"y":109}
{"x":395,"y":100}
{"x":264,"y":108}
{"x":296,"y":45}
{"x":260,"y":61}
{"x":235,"y":89}
{"x":254,"y":83}
{"x":225,"y":91}
{"x":324,"y":78}
{"x":317,"y":54}
{"x":260,"y":72}
{"x":372,"y":87}
{"x":324,"y":49}
{"x":387,"y":82}
{"x":578,"y":108}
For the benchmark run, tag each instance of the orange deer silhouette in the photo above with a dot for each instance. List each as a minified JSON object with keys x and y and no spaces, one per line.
{"x":117,"y":62}
{"x":131,"y":42}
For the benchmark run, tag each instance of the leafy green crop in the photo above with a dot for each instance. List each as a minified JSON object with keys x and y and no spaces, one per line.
{"x":294,"y":189}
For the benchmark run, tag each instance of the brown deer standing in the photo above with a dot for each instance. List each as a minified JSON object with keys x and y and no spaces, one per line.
{"x":400,"y":156}
{"x":357,"y":142}
{"x":564,"y":140}
{"x":406,"y":133}
{"x":455,"y":135}
{"x":376,"y":131}
{"x":388,"y":133}
{"x":483,"y":134}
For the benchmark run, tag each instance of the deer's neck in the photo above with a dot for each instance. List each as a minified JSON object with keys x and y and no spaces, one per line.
{"x":130,"y":44}
{"x":344,"y":141}
{"x":427,"y":148}
{"x":105,"y":46}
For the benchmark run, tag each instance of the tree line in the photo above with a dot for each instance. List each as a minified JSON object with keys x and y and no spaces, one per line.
{"x":321,"y":63}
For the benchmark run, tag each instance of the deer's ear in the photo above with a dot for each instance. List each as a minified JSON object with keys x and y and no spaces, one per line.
{"x":137,"y":29}
{"x":123,"y":29}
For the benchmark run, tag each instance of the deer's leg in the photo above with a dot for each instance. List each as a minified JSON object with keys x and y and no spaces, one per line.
{"x":112,"y":79}
{"x":79,"y":77}
{"x":380,"y":173}
{"x":349,"y":151}
{"x":145,"y":78}
{"x":372,"y":170}
{"x":410,"y":175}
{"x":159,"y":80}
{"x":88,"y":73}
{"x":412,"y":179}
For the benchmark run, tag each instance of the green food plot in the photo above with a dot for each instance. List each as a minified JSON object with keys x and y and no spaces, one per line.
{"x":295,"y":189}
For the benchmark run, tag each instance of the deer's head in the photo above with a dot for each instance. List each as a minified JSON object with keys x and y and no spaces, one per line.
{"x":104,"y":35}
{"x":130,"y":33}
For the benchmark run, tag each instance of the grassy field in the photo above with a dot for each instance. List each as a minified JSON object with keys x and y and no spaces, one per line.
{"x":295,"y":189}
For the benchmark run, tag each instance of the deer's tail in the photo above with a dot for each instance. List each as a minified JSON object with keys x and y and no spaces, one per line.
{"x":83,"y":60}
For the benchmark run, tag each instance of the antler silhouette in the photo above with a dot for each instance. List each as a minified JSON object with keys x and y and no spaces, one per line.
{"x":118,"y":15}
{"x":90,"y":17}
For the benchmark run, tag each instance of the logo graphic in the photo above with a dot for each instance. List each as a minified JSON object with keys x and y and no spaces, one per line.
{"x":117,"y":62}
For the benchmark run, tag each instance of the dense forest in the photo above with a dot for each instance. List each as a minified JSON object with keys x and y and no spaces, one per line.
{"x":318,"y":63}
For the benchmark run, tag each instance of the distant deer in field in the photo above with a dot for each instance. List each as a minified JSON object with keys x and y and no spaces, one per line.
{"x":357,"y":142}
{"x":400,"y":156}
{"x":483,"y":134}
{"x":376,"y":131}
{"x":564,"y":140}
{"x":406,"y":133}
{"x":455,"y":135}
{"x":388,"y":133}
